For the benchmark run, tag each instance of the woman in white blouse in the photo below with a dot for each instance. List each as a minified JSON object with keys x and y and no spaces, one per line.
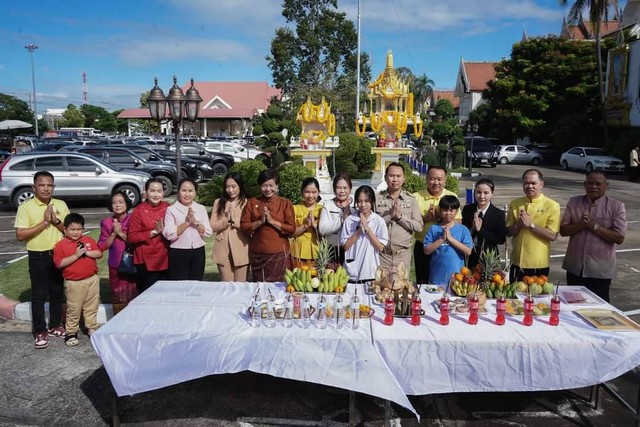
{"x":186,"y":223}
{"x":334,"y":212}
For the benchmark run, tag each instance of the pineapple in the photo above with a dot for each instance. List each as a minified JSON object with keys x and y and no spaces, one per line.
{"x":489,"y":264}
{"x":324,"y":256}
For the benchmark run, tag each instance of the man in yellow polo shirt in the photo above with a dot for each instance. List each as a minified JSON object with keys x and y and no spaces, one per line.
{"x":533,"y":221}
{"x":428,"y":204}
{"x":39,"y":223}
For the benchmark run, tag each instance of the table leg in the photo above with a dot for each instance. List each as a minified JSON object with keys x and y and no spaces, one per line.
{"x":352,"y":408}
{"x":115,"y":415}
{"x":387,"y":413}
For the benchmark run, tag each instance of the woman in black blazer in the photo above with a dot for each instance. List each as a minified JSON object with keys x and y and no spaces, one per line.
{"x":484,"y":220}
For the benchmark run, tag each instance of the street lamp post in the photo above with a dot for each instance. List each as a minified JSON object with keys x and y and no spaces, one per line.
{"x":474,"y":129}
{"x":31,"y":48}
{"x":181,"y":107}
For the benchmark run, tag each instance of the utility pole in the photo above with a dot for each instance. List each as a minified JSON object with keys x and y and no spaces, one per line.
{"x":31,"y":48}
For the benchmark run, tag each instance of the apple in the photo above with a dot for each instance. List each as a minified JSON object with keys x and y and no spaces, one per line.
{"x":521,"y":286}
{"x":547,"y":288}
{"x":535,"y":289}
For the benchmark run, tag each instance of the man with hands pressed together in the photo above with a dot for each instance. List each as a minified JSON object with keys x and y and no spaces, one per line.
{"x":400,"y":212}
{"x":595,"y":223}
{"x":428,"y":201}
{"x":39,"y":223}
{"x":533,"y":221}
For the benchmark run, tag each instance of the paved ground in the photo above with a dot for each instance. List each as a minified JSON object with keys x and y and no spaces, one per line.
{"x":63,"y":386}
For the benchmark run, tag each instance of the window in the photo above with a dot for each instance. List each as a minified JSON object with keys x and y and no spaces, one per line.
{"x":50,"y":164}
{"x":510,"y":150}
{"x":575,"y":151}
{"x":27,"y":165}
{"x":77,"y":164}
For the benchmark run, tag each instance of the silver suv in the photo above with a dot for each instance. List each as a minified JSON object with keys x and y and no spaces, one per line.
{"x":77,"y":177}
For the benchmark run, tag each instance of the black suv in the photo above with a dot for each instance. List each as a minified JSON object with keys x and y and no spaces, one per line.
{"x":220,"y":162}
{"x":124,"y":158}
{"x":484,"y":152}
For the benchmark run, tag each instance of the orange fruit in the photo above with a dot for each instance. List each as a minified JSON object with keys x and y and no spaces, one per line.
{"x":304,"y":268}
{"x":459,"y":277}
{"x":543,"y":277}
{"x":528,"y":280}
{"x":290,"y":289}
{"x":497,"y":278}
{"x":313,"y":271}
{"x":465,"y":271}
{"x":540,"y":281}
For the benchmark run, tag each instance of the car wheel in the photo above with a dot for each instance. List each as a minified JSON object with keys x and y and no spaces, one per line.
{"x":131,"y":192}
{"x":166,"y":184}
{"x":183,"y":175}
{"x":589,"y":167}
{"x":493,"y":165}
{"x":503,"y":160}
{"x":199,"y":176}
{"x":564,"y":165}
{"x":220,"y":169}
{"x":22,"y":195}
{"x":535,"y":161}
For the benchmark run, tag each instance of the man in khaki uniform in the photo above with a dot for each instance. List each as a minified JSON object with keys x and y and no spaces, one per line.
{"x":400,"y":212}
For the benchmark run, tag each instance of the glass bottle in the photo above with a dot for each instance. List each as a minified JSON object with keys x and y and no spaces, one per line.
{"x":389,"y":308}
{"x":270,"y":320}
{"x":528,"y":311}
{"x":305,"y":311}
{"x":338,"y":308}
{"x":444,"y":310}
{"x":554,"y":320}
{"x":473,"y":309}
{"x":354,"y":307}
{"x":501,"y":308}
{"x":256,"y":311}
{"x":416,"y":309}
{"x":288,"y":311}
{"x":321,"y":318}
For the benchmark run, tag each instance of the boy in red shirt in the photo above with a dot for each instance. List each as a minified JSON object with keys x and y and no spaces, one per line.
{"x":76,"y":256}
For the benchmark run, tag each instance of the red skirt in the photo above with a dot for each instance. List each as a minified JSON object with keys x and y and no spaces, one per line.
{"x":123,"y":287}
{"x":269,"y":267}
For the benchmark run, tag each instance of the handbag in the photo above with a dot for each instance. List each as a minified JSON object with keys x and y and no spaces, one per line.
{"x":126,"y":262}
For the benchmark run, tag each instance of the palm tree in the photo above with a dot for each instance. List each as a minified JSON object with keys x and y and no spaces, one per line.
{"x":422,"y":88}
{"x":598,"y":11}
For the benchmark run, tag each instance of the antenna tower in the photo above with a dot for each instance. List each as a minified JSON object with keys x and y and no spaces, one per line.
{"x":84,"y":88}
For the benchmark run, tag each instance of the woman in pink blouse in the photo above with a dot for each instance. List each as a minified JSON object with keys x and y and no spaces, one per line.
{"x":113,"y":236}
{"x":186,"y":223}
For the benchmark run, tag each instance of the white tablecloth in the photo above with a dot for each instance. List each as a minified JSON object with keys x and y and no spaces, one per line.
{"x":463,"y":358}
{"x":179,"y":331}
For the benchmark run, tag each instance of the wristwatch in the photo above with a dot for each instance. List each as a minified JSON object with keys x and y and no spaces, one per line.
{"x":532,"y":226}
{"x":596,"y":226}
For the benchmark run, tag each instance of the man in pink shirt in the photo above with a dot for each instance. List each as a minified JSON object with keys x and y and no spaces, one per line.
{"x":595,"y":223}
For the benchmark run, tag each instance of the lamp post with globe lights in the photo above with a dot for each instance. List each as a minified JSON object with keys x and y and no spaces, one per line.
{"x":473,"y":128}
{"x":181,"y":107}
{"x":31,"y":48}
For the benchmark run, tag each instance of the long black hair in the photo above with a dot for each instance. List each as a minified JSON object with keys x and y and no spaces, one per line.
{"x":224,"y":198}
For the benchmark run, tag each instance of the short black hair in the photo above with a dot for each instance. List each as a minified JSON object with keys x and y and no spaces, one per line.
{"x":151,"y":181}
{"x":371,"y":195}
{"x":127,"y":200}
{"x":449,"y":202}
{"x":485,"y":181}
{"x":342,"y":176}
{"x":74,"y":218}
{"x":309,"y":181}
{"x":434,"y":167}
{"x":528,"y":171}
{"x":393,"y":165}
{"x":268,"y":174}
{"x":193,"y":182}
{"x":42,"y":173}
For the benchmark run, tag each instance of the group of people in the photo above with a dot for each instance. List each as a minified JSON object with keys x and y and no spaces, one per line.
{"x":262,"y":236}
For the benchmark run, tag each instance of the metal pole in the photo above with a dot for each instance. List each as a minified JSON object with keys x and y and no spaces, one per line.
{"x":31,"y":48}
{"x":176,"y":132}
{"x":471,"y":155}
{"x":358,"y":68}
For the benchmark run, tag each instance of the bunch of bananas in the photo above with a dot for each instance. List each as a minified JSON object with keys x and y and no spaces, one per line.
{"x":299,"y":279}
{"x":334,"y":281}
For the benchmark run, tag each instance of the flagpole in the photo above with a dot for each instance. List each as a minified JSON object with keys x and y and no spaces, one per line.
{"x":358,"y":67}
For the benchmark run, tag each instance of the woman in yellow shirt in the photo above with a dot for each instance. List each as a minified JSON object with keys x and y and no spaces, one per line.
{"x":304,"y":246}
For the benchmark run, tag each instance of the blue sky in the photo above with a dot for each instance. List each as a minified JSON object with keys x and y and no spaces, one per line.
{"x":123,"y":44}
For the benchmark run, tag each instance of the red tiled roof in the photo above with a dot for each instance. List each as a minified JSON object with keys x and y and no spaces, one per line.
{"x":223,"y":100}
{"x":446,"y":94}
{"x":478,"y":74}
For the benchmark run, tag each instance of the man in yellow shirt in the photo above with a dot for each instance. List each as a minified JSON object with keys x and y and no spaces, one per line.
{"x":533,"y":221}
{"x":428,"y":204}
{"x":39,"y":223}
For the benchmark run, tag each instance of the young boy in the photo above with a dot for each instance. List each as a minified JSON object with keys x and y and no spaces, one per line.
{"x":448,"y":241}
{"x":76,"y":256}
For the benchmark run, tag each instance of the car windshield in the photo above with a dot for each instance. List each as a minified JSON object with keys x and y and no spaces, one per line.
{"x":594,"y":152}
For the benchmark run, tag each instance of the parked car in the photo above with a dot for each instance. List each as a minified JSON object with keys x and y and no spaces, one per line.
{"x":219,"y":161}
{"x":77,"y":177}
{"x":518,"y":154}
{"x":238,"y":151}
{"x":480,"y":151}
{"x":52,"y":146}
{"x":590,"y":158}
{"x":203,"y":170}
{"x":123,"y":158}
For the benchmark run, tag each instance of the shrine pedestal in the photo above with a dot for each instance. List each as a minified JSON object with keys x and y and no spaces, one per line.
{"x":315,"y":160}
{"x":384,"y":156}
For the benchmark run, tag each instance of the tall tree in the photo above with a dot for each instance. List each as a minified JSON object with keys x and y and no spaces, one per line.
{"x":73,"y":117}
{"x":12,"y":108}
{"x":421,"y":86}
{"x":598,"y":11}
{"x":317,"y":56}
{"x":98,"y":117}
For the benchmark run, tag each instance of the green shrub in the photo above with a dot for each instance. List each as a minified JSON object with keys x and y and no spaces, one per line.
{"x":431,"y":158}
{"x":452,"y":184}
{"x":249,"y":169}
{"x":364,"y":160}
{"x":291,"y":177}
{"x":412,"y":182}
